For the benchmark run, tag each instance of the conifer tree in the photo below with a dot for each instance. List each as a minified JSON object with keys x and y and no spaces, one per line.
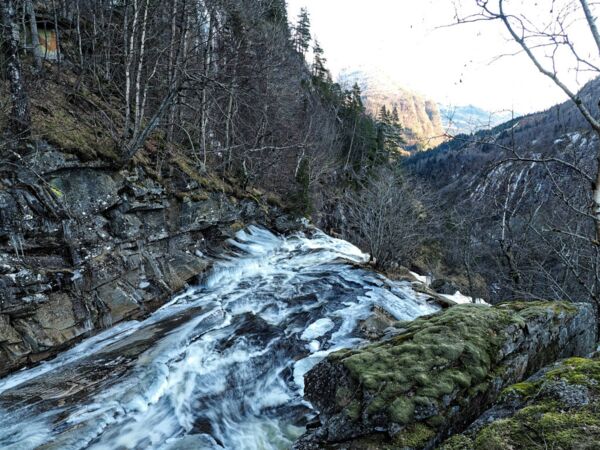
{"x":357,"y":97}
{"x":384,"y":116}
{"x":395,"y":116}
{"x":302,"y":35}
{"x":390,"y":130}
{"x":320,"y":71}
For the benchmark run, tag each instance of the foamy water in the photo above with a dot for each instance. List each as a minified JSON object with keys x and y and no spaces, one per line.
{"x":225,"y":368}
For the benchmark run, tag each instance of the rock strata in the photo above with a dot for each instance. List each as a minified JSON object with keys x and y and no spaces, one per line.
{"x":84,"y":245}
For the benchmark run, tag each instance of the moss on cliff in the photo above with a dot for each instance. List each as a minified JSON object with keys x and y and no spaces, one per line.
{"x":560,"y":409}
{"x":413,"y":377}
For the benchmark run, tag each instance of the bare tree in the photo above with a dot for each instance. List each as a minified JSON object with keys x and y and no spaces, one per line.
{"x":387,"y":217}
{"x":550,"y":42}
{"x":20,"y":118}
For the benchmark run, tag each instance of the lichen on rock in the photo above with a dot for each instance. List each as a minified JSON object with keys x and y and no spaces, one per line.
{"x":557,"y":408}
{"x":439,"y":373}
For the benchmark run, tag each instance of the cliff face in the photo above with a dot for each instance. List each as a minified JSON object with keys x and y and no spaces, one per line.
{"x":84,"y":246}
{"x":420,"y":117}
{"x":559,"y":404}
{"x":439,"y":373}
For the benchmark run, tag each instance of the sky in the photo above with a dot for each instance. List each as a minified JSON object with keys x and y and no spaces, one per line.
{"x":457,"y":65}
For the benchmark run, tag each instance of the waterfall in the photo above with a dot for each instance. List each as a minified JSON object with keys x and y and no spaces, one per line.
{"x":220,"y":365}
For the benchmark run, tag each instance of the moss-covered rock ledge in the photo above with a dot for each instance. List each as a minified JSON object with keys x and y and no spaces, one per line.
{"x":439,"y":374}
{"x":558,"y":408}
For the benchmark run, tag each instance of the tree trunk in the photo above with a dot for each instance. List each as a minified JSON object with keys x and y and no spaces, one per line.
{"x":20,"y":117}
{"x":139,"y":107}
{"x":35,"y":36}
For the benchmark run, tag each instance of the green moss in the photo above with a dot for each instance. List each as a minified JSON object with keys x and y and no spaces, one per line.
{"x":210,"y":182}
{"x":415,"y":435}
{"x":458,"y":442}
{"x":451,"y":354}
{"x":523,"y":390}
{"x":436,"y":421}
{"x":56,"y":191}
{"x":353,"y":410}
{"x":545,"y":420}
{"x":494,"y":438}
{"x":402,"y":410}
{"x":435,"y":357}
{"x":542,"y":423}
{"x":438,"y":388}
{"x":534,"y":308}
{"x":581,"y":371}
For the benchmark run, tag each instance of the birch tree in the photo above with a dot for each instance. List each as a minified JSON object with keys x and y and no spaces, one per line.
{"x":20,"y":118}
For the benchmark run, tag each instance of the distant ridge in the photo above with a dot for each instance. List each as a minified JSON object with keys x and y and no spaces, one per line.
{"x":468,"y":119}
{"x":426,"y":123}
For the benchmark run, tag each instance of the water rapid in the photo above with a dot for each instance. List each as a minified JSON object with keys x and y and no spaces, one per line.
{"x":219,"y":366}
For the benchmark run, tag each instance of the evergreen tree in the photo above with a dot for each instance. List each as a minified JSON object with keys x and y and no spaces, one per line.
{"x":384,"y":116}
{"x":302,"y":32}
{"x":390,"y":131}
{"x":357,"y":98}
{"x":319,"y":69}
{"x":395,"y":116}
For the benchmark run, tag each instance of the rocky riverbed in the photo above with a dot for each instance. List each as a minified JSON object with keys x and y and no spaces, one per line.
{"x":84,"y":246}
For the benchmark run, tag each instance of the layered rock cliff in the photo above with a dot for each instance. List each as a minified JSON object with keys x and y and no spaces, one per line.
{"x":439,"y":373}
{"x":84,"y":245}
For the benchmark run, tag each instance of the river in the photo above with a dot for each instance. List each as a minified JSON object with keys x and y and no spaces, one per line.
{"x":219,"y":366}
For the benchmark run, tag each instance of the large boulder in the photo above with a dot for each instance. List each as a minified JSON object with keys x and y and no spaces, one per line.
{"x":439,"y":374}
{"x":559,"y":408}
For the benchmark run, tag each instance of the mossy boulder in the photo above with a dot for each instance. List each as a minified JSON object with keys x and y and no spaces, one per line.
{"x":439,"y":374}
{"x":557,"y":408}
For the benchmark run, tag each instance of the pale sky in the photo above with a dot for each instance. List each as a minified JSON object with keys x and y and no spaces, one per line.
{"x":455,"y":65}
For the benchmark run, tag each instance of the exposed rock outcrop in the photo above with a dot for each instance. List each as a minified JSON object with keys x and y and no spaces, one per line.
{"x":439,"y":374}
{"x":420,"y":117}
{"x":558,"y":408}
{"x":84,"y":245}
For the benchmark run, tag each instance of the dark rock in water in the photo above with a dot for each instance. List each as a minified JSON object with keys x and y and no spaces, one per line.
{"x":443,"y":286}
{"x":286,"y":224}
{"x":84,"y":246}
{"x":559,"y":407}
{"x":439,"y":374}
{"x":376,"y":325}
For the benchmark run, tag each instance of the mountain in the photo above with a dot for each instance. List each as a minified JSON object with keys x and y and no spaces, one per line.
{"x":556,"y":132}
{"x":426,"y":122}
{"x":518,"y":197}
{"x":470,"y":119}
{"x":419,"y":115}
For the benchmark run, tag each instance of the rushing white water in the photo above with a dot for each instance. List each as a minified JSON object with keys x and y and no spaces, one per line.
{"x":220,"y":366}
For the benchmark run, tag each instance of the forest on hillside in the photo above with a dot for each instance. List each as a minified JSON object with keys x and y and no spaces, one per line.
{"x":236,"y":86}
{"x":237,"y":90}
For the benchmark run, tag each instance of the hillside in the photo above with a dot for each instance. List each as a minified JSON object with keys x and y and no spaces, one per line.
{"x":419,"y":116}
{"x":513,"y":182}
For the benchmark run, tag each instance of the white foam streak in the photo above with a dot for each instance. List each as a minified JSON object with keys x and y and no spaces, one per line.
{"x":232,"y":375}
